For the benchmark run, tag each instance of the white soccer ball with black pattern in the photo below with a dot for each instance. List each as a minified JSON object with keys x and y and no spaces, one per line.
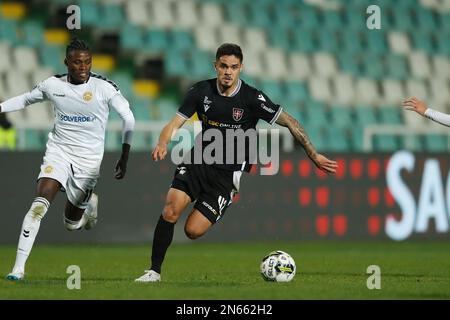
{"x":278,"y":266}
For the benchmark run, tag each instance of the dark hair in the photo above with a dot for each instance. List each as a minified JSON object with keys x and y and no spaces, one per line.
{"x":229,"y":49}
{"x":76,"y":44}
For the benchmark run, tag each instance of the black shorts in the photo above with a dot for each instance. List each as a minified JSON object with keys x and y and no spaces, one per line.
{"x":213,"y":189}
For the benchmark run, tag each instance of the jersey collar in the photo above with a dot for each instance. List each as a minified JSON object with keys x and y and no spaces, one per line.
{"x":235,"y":91}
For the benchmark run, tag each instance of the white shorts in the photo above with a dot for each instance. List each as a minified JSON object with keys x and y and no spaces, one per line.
{"x":77,"y":183}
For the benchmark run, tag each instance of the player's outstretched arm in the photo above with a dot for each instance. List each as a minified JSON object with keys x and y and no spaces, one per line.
{"x":22,"y":101}
{"x":160,"y":151}
{"x":421,"y":108}
{"x":323,"y":163}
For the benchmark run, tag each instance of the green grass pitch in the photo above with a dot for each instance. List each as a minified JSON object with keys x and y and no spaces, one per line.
{"x":325,"y":270}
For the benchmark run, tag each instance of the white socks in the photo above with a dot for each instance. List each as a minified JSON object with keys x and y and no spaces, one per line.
{"x":30,"y":229}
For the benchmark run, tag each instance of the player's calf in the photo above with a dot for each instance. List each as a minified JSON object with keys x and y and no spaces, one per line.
{"x":30,"y":228}
{"x":91,"y":212}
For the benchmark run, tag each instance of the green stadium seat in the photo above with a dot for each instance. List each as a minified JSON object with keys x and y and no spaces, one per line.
{"x":272,"y":89}
{"x":113,"y":141}
{"x":283,"y":17}
{"x":436,"y":142}
{"x":443,"y":42}
{"x":316,"y":134}
{"x":356,"y":138}
{"x":355,"y":17}
{"x":90,"y":13}
{"x":296,"y":91}
{"x":236,"y":12}
{"x":156,"y":40}
{"x":293,"y":108}
{"x":406,"y":4}
{"x":403,"y":20}
{"x":200,"y":68}
{"x":425,"y":18}
{"x":302,"y":41}
{"x":8,"y":31}
{"x":376,"y":42}
{"x":365,"y":115}
{"x":51,"y":56}
{"x":279,"y":37}
{"x":175,"y":63}
{"x":111,"y":16}
{"x":131,"y":37}
{"x":373,"y":66}
{"x":352,"y":41}
{"x":332,"y":20}
{"x":412,"y":142}
{"x":328,"y":40}
{"x":422,"y":40}
{"x":182,"y":40}
{"x":33,"y":32}
{"x":444,"y":21}
{"x":124,"y":82}
{"x":309,"y":19}
{"x":337,"y":139}
{"x":389,"y":115}
{"x":141,"y":108}
{"x":386,"y":142}
{"x":316,"y":113}
{"x":396,"y":66}
{"x":259,"y":16}
{"x":349,"y":62}
{"x":141,"y":141}
{"x":167,"y":108}
{"x":341,"y":116}
{"x":35,"y":139}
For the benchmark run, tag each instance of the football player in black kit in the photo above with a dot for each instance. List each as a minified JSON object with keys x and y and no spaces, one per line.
{"x":224,"y":103}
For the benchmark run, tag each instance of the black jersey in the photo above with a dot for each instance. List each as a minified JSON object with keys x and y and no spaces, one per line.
{"x":239,"y":112}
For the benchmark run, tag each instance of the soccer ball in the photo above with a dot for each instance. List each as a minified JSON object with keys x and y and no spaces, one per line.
{"x":278,"y":266}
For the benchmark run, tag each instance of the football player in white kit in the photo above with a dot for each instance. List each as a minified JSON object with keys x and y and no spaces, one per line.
{"x":81,"y":102}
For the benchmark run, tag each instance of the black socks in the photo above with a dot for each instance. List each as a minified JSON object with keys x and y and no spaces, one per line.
{"x":162,"y":238}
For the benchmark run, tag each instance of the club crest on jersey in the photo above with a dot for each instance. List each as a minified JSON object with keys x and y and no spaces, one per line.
{"x":48,"y":169}
{"x":237,"y":114}
{"x":87,"y":96}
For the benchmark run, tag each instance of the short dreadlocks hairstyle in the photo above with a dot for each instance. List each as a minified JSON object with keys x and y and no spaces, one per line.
{"x":76,"y":44}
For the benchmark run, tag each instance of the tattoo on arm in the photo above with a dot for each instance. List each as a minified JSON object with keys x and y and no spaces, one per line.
{"x":299,"y":133}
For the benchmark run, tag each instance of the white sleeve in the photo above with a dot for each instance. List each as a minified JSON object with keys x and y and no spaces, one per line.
{"x":437,"y":116}
{"x":121,"y":105}
{"x":20,"y":102}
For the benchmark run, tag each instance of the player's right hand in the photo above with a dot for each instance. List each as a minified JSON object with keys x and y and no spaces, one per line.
{"x":325,"y":164}
{"x":159,"y":153}
{"x":414,"y":104}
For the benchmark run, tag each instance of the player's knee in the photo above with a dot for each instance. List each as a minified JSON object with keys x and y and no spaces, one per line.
{"x":170,"y":214}
{"x":192,"y":233}
{"x":38,"y":208}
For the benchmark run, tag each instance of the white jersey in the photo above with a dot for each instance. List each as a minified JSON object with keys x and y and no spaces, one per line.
{"x":81,"y":114}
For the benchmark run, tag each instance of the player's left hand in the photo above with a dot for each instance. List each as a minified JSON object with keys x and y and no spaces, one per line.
{"x":325,"y":164}
{"x":414,"y":104}
{"x":121,"y":168}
